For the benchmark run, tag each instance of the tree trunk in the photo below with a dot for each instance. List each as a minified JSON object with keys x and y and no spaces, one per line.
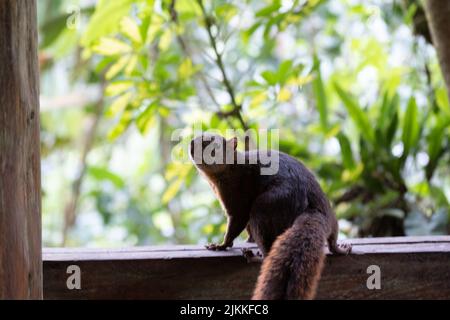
{"x":20,"y":198}
{"x":438,"y":16}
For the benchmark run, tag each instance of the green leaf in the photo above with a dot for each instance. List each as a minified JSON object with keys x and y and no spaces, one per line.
{"x":104,"y":63}
{"x":410,"y":134}
{"x":105,"y":19}
{"x":54,"y":27}
{"x":268,"y":10}
{"x":319,"y":94}
{"x":247,"y":34}
{"x":410,"y":13}
{"x":121,"y":126}
{"x":442,"y":100}
{"x":388,"y":108}
{"x":436,"y":139}
{"x":100,"y":173}
{"x":146,"y":19}
{"x":147,"y":120}
{"x":270,"y":77}
{"x":226,"y":11}
{"x":391,"y":130}
{"x":284,"y":70}
{"x":356,"y":113}
{"x":346,"y":151}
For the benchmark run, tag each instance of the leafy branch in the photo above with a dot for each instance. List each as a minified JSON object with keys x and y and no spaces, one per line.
{"x":184,"y":47}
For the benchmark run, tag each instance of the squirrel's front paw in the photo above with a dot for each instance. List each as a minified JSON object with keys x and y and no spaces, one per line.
{"x":343,"y":248}
{"x":216,"y":247}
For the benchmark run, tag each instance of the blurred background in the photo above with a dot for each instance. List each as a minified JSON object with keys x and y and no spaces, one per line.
{"x":354,"y":86}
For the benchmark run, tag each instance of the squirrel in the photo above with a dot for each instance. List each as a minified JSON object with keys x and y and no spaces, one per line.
{"x":286,"y":213}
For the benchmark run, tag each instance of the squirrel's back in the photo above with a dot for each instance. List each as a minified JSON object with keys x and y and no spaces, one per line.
{"x":299,"y":180}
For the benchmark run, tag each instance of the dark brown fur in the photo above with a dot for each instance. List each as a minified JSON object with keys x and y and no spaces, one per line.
{"x":287,"y":214}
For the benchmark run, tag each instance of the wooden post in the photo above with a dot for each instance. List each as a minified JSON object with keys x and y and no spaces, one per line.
{"x":438,"y":12}
{"x":20,"y":198}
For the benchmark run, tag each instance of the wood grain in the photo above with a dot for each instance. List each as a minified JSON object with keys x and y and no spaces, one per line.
{"x":411,"y":268}
{"x":20,"y":206}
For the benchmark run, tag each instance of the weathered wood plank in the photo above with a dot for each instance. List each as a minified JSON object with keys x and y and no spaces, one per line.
{"x":20,"y":203}
{"x":411,"y":268}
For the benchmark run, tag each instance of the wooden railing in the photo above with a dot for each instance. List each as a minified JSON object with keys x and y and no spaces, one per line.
{"x":409,"y":268}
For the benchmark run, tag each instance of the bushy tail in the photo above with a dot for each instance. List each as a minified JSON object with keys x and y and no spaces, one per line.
{"x":294,"y":264}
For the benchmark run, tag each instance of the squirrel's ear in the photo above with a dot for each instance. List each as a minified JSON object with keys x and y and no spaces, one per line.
{"x":233,"y":142}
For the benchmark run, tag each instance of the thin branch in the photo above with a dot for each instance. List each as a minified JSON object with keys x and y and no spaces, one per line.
{"x":219,"y":62}
{"x":70,"y":210}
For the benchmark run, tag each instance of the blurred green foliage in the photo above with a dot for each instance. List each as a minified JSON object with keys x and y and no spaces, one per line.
{"x":356,"y":94}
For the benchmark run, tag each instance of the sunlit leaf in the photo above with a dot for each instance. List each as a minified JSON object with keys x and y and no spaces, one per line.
{"x":119,"y":104}
{"x":155,"y":27}
{"x":258,"y":98}
{"x":179,"y":172}
{"x":117,"y":67}
{"x":121,"y":126}
{"x":118,"y":87}
{"x":172,"y":190}
{"x":352,"y":174}
{"x":442,"y":100}
{"x":130,"y":28}
{"x":186,"y":70}
{"x":226,"y":11}
{"x":187,"y":9}
{"x":165,"y":40}
{"x":284,"y":95}
{"x":132,"y":63}
{"x":111,"y":47}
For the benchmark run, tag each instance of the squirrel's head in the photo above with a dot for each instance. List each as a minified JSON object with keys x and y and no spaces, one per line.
{"x":213,"y":153}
